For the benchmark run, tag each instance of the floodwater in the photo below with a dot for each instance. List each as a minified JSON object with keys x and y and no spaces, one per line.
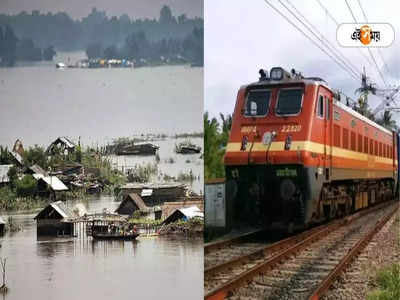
{"x":171,"y":163}
{"x":40,"y":103}
{"x":149,"y":268}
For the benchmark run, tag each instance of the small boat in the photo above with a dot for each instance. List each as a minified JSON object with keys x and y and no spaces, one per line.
{"x":138,"y":149}
{"x":187,"y":148}
{"x":114,"y":236}
{"x":60,"y":65}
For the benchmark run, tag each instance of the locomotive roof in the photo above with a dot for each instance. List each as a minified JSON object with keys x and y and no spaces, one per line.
{"x":305,"y":81}
{"x":360,"y":116}
{"x":317,"y":81}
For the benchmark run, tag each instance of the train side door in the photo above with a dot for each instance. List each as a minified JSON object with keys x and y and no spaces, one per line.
{"x":324,"y":113}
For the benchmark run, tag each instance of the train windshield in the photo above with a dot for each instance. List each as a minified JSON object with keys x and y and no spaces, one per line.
{"x":289,"y":102}
{"x":257,"y":103}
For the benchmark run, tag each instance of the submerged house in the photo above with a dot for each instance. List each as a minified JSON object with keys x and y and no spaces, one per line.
{"x":184,"y":214}
{"x":49,"y":183}
{"x":61,"y":145}
{"x":154,"y":193}
{"x":133,"y":202}
{"x":55,"y":220}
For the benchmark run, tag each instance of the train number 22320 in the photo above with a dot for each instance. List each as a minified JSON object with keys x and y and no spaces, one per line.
{"x":291,"y":128}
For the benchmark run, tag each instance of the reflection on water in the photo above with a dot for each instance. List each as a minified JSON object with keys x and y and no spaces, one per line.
{"x":148,"y":268}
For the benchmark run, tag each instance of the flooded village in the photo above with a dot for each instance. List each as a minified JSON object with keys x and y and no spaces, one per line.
{"x":73,"y":194}
{"x":101,"y":169}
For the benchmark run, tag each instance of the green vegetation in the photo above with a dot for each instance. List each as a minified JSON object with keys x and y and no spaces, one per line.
{"x":142,"y":220}
{"x":9,"y":201}
{"x":216,"y":137}
{"x":388,"y":282}
{"x":187,"y":135}
{"x":143,"y":173}
{"x":5,"y":156}
{"x":26,"y":186}
{"x":169,"y":37}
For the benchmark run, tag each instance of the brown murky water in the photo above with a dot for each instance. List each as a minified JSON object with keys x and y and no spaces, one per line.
{"x":149,"y":268}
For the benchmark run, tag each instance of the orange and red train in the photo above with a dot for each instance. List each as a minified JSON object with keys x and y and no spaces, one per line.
{"x":297,"y":155}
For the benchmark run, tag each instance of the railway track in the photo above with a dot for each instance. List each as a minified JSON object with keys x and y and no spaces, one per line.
{"x":308,"y":262}
{"x":219,"y":252}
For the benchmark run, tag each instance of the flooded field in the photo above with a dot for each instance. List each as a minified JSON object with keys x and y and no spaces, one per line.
{"x":149,"y":268}
{"x":99,"y":105}
{"x":40,"y":103}
{"x":171,"y":163}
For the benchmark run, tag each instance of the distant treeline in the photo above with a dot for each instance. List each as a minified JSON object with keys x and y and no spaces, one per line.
{"x":115,"y":35}
{"x":139,"y":48}
{"x":12,"y":48}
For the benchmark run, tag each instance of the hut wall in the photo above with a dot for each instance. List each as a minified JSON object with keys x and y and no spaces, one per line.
{"x":53,"y":227}
{"x":159,"y":195}
{"x":127,"y":208}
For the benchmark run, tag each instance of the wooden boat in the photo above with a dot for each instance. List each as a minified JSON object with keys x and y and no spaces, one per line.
{"x":114,"y":236}
{"x":187,"y":148}
{"x":138,"y":149}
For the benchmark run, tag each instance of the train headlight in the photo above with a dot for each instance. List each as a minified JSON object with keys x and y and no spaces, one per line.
{"x":276,"y":73}
{"x":267,"y":138}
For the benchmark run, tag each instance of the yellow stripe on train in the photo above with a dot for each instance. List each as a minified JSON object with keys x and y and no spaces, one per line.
{"x":310,"y":147}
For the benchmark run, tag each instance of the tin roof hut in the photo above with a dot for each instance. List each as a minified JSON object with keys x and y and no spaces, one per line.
{"x":62,"y":144}
{"x":54,"y":220}
{"x":131,"y":203}
{"x":184,"y":214}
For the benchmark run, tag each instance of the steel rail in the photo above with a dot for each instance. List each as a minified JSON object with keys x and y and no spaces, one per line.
{"x":346,"y":260}
{"x":277,"y":246}
{"x":219,"y":244}
{"x":228,"y":287}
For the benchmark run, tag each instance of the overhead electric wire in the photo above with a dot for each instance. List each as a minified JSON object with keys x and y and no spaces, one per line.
{"x":311,"y":40}
{"x":331,"y":47}
{"x":337,"y":24}
{"x":369,"y":50}
{"x":379,"y":50}
{"x":363,"y":12}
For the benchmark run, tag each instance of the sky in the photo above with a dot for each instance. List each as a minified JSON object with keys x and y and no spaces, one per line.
{"x":81,"y":8}
{"x":243,"y":36}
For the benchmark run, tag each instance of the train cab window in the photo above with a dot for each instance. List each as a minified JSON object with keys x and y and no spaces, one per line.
{"x":327,"y":108}
{"x":376,"y":148}
{"x":390,"y":152}
{"x":257,"y":103}
{"x":380,"y":149}
{"x":289,"y":102}
{"x":384,"y":150}
{"x":365,"y":144}
{"x":320,"y":107}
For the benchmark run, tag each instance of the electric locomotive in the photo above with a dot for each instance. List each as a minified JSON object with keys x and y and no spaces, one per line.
{"x":297,"y":155}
